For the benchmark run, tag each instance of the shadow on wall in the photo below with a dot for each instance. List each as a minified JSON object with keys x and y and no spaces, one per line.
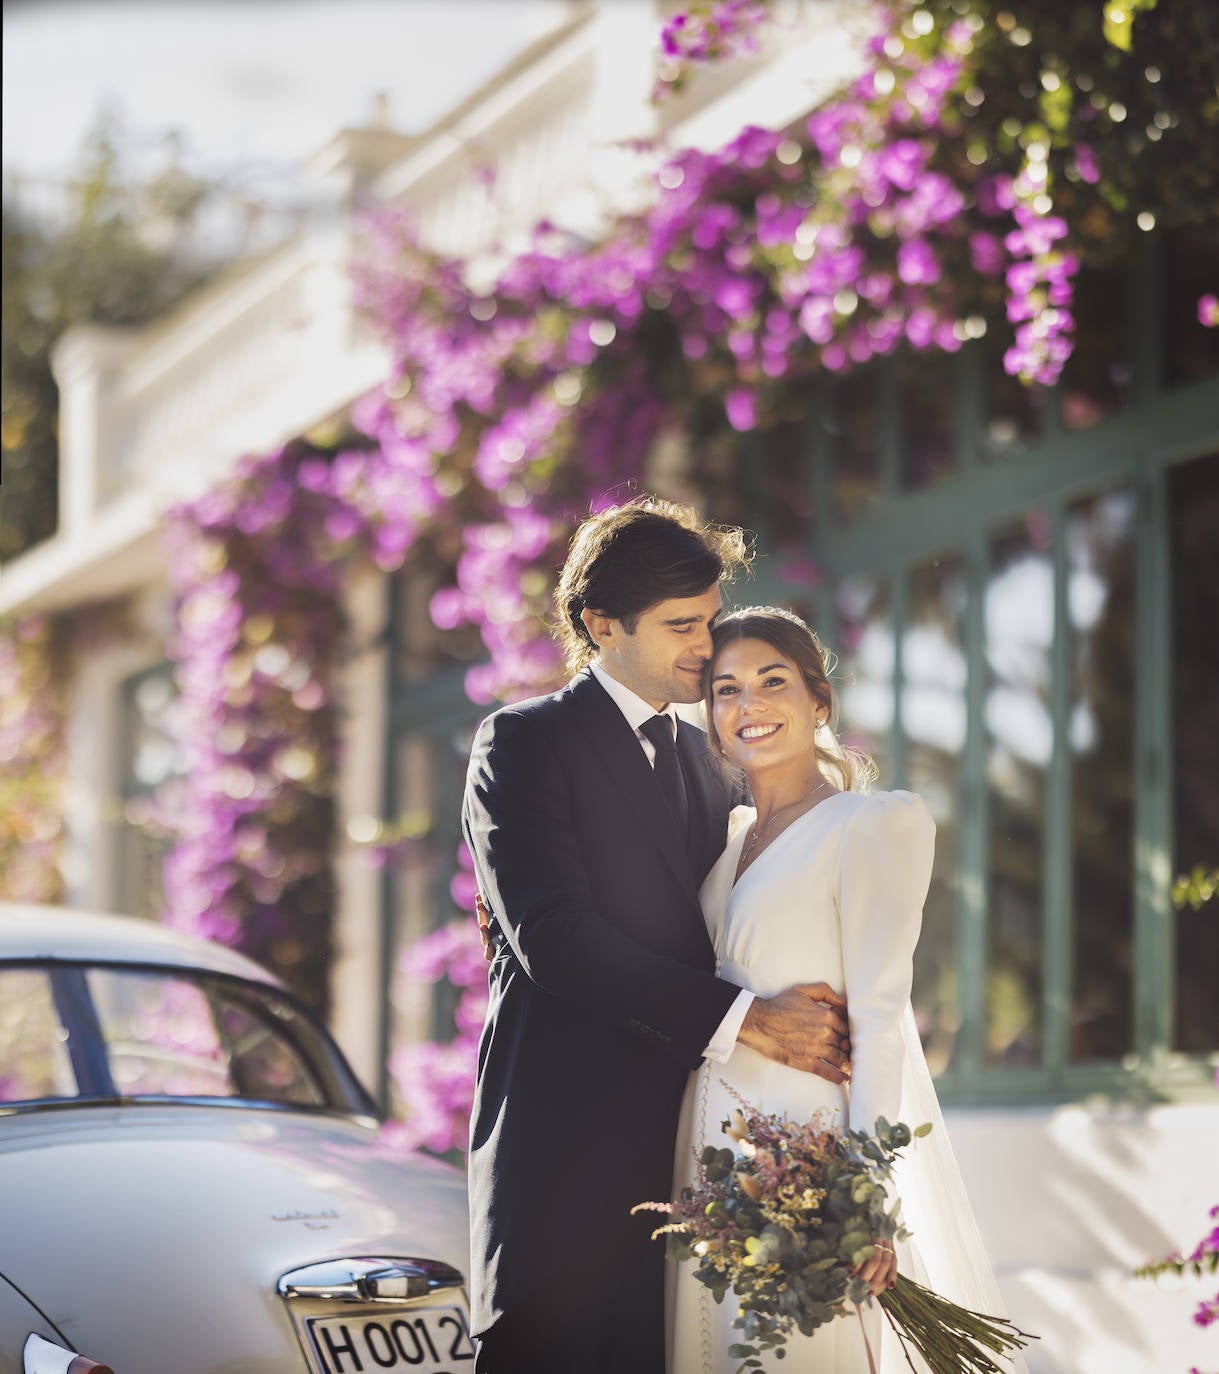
{"x":1071,"y":1200}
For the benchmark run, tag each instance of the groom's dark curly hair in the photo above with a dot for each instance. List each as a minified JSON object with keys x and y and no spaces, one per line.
{"x":624,"y":560}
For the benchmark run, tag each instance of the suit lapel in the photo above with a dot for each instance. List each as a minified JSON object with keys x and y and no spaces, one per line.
{"x":623,"y":761}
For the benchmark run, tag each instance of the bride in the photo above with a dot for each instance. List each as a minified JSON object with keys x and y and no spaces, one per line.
{"x":821,"y":881}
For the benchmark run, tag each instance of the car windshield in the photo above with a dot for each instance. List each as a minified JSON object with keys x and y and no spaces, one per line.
{"x":72,"y":1032}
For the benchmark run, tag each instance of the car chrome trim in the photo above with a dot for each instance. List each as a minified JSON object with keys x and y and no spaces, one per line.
{"x":369,"y":1280}
{"x":50,"y":1104}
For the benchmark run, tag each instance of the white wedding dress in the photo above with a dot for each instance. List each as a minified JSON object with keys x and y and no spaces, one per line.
{"x":836,"y":897}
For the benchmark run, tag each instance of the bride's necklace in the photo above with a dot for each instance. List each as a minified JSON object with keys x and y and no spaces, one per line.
{"x":754,"y":839}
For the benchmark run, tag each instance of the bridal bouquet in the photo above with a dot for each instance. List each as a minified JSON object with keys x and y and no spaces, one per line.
{"x":787,"y":1220}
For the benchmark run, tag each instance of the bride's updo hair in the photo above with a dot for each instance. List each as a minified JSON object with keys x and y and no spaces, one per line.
{"x":850,"y":769}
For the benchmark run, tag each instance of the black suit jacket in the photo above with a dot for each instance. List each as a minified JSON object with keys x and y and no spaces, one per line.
{"x":603,"y":995}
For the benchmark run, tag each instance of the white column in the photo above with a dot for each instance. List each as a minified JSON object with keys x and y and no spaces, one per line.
{"x":355,"y":976}
{"x":85,"y":362}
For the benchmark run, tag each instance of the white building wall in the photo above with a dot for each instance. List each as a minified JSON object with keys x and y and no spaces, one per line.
{"x":1070,"y":1201}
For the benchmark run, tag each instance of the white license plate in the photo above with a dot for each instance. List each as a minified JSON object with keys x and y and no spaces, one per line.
{"x":424,"y":1340}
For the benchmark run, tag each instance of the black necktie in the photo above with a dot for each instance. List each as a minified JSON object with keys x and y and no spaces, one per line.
{"x":659,"y":731}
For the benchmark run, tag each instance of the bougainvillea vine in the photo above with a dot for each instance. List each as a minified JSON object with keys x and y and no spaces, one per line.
{"x":985,"y":156}
{"x":33,"y":759}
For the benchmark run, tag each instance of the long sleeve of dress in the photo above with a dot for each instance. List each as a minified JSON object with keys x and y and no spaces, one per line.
{"x":884,"y":872}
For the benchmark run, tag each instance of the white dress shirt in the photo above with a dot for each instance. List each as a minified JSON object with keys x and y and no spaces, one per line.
{"x":638,"y":712}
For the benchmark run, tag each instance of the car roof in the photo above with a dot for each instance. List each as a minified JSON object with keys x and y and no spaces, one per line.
{"x":56,"y":932}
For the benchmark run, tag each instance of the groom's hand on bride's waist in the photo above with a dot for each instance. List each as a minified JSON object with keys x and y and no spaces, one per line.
{"x":804,"y":1028}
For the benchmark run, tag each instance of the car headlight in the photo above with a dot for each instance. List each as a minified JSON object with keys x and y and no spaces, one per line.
{"x":42,"y":1357}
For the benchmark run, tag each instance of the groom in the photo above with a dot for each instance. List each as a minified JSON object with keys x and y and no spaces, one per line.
{"x":593,"y":816}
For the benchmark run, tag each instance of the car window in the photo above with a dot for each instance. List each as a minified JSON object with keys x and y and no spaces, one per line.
{"x":34,"y":1060}
{"x":70,"y":1031}
{"x":265,"y":1063}
{"x":172,"y":1037}
{"x":160,"y":1034}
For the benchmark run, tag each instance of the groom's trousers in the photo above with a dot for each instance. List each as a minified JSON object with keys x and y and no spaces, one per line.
{"x":618,"y":1332}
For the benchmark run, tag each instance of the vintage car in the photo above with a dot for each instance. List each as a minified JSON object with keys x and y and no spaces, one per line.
{"x":192,"y":1177}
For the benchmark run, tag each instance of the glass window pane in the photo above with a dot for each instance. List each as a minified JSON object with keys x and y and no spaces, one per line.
{"x":933,"y":711}
{"x":1096,"y":379}
{"x":153,"y":763}
{"x":927,"y":387}
{"x":156,"y":755}
{"x":172,"y":1037}
{"x":161,"y":1035}
{"x":265,"y":1065}
{"x":34,"y":1060}
{"x":855,"y":442}
{"x":1191,"y":348}
{"x":1100,"y":607}
{"x":863,"y":677}
{"x":1019,"y":629}
{"x":1194,"y":508}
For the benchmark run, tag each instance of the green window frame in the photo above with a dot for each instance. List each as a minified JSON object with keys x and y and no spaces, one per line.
{"x":427,"y":704}
{"x":959,"y":517}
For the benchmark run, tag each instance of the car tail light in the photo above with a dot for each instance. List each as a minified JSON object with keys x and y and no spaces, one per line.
{"x":43,"y":1357}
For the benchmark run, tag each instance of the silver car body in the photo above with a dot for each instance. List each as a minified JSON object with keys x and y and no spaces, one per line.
{"x":156,"y":1235}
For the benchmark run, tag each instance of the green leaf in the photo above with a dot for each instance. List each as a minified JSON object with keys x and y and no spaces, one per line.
{"x":1119,"y":21}
{"x":1056,"y":107}
{"x":1118,"y":24}
{"x":924,"y":1129}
